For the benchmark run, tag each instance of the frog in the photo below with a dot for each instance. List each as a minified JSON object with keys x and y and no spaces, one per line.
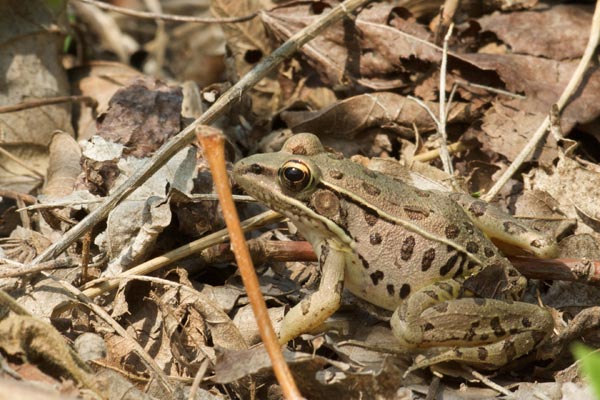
{"x":426,"y":256}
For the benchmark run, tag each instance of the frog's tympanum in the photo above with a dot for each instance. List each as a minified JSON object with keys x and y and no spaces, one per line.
{"x":421,"y":254}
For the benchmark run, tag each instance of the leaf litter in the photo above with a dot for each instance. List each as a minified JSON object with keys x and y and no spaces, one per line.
{"x":352,"y":86}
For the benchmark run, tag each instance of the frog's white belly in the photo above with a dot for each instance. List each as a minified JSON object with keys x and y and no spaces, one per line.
{"x":357,"y":280}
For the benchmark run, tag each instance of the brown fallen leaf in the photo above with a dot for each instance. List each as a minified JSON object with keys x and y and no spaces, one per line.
{"x":366,"y":53}
{"x":142,"y":116}
{"x":557,"y":32}
{"x":99,"y":80}
{"x":348,"y":118}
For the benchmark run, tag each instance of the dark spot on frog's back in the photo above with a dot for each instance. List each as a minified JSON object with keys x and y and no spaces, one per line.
{"x":482,"y":353}
{"x":427,"y":260}
{"x":370,"y":217}
{"x":469,"y":228}
{"x":472,"y":247}
{"x":335,"y":174}
{"x":415,"y":213}
{"x":421,"y":193}
{"x":446,"y":268}
{"x":478,"y":208}
{"x":497,"y":327}
{"x":376,"y":277}
{"x":390,"y":289}
{"x":408,"y":245}
{"x":375,"y":238}
{"x":441,"y":307}
{"x":452,"y":231}
{"x":371,"y":189}
{"x":364,"y":262}
{"x":404,"y":291}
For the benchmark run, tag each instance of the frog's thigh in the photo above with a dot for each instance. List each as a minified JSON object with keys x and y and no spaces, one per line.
{"x":475,"y":328}
{"x":313,"y":310}
{"x":506,"y":231}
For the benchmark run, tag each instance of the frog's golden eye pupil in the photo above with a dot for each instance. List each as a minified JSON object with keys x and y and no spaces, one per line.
{"x":295,"y":175}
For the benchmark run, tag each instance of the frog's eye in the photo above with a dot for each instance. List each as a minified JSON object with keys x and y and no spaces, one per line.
{"x":295,"y":176}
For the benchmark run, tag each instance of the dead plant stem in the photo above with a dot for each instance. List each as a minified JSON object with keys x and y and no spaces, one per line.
{"x":212,"y":141}
{"x":444,"y":154}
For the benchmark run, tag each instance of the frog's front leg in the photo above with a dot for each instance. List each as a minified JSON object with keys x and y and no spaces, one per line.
{"x":313,"y":310}
{"x":478,"y":331}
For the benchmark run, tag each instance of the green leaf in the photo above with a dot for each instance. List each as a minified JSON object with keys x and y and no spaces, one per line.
{"x":589,"y":362}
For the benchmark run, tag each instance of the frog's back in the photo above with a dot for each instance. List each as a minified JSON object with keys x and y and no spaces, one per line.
{"x":404,"y":238}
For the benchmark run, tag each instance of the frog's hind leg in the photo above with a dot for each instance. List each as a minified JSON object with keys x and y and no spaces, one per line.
{"x":472,"y":330}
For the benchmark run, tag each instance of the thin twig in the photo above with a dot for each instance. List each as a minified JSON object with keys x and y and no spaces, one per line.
{"x":426,"y":108}
{"x":24,"y":269}
{"x":489,"y":383}
{"x":48,"y":101}
{"x":183,"y":138}
{"x":491,"y":89}
{"x":435,"y":153}
{"x":562,"y":101}
{"x":444,"y":154}
{"x":198,"y":379}
{"x":169,"y":17}
{"x":212,"y":141}
{"x":73,"y":203}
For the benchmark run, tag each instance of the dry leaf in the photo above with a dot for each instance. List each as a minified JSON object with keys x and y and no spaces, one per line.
{"x":31,"y":70}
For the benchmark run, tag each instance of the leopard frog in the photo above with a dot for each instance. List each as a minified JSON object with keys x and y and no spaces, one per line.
{"x":418,"y":253}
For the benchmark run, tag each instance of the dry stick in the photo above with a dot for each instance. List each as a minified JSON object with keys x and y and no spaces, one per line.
{"x":562,"y":101}
{"x":186,"y":135}
{"x":444,"y":154}
{"x":168,"y":17}
{"x":23,"y":269}
{"x":212,"y":140}
{"x":47,"y":101}
{"x":58,"y":204}
{"x":488,"y":382}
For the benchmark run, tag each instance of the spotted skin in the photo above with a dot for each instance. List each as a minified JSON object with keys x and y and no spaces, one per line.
{"x":417,"y":253}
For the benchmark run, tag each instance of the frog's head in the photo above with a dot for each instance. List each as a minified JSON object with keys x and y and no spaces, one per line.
{"x":279,"y":179}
